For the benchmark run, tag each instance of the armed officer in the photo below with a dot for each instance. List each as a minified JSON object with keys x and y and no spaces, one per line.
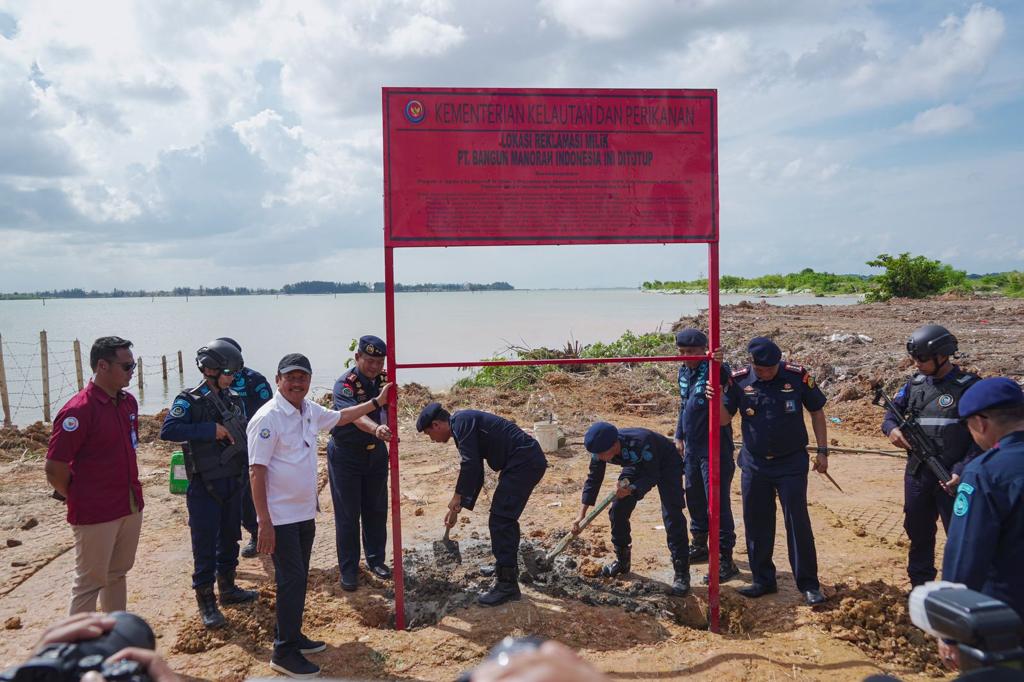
{"x":647,"y":459}
{"x":520,"y":463}
{"x":358,"y":467}
{"x":933,"y":395}
{"x":691,"y":440}
{"x":254,"y":390}
{"x":210,"y":420}
{"x":771,"y":397}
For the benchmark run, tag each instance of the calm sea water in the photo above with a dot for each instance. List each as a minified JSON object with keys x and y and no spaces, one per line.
{"x":432,"y":327}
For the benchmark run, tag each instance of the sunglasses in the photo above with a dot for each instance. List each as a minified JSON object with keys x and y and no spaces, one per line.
{"x":126,"y":366}
{"x":921,"y":358}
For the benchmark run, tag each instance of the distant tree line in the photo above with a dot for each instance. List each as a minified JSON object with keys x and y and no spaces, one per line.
{"x":306,"y":287}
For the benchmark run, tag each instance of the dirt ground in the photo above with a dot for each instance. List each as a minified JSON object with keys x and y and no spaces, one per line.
{"x":629,"y":628}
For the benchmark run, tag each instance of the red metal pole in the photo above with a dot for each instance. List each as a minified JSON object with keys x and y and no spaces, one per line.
{"x":396,"y":494}
{"x":714,"y":445}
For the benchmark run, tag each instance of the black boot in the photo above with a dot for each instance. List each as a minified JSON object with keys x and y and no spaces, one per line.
{"x":506,"y":587}
{"x":208,"y":611}
{"x":623,"y":555}
{"x":727,"y":568}
{"x":699,"y":549}
{"x":681,"y":580}
{"x":249,"y":551}
{"x":230,"y":593}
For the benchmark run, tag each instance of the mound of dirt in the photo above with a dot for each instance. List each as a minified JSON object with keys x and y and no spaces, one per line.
{"x":874,"y":617}
{"x":31,"y":440}
{"x":250,"y":626}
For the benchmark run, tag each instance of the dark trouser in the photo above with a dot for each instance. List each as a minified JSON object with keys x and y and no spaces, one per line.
{"x":359,"y":489}
{"x":293,"y":546}
{"x":507,"y":505}
{"x":696,"y":467}
{"x":759,"y":489}
{"x":249,"y":521}
{"x":670,"y":489}
{"x":924,"y":501}
{"x":215,"y":527}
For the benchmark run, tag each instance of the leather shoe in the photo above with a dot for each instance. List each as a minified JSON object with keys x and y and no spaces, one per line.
{"x":814,"y":597}
{"x":755,"y":590}
{"x":381,"y":571}
{"x":349,"y":584}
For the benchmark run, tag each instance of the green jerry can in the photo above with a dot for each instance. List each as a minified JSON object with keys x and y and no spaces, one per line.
{"x":178,"y":477}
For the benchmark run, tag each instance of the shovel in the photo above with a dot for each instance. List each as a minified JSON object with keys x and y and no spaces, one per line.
{"x":536,"y":565}
{"x":446,"y":550}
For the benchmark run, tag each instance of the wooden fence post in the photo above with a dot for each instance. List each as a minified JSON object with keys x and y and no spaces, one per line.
{"x":138,"y":368}
{"x":5,"y":399}
{"x":78,"y":365}
{"x":181,"y":367}
{"x":163,"y":366}
{"x":44,"y":355}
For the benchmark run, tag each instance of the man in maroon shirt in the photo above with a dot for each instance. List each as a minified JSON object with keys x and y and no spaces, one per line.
{"x":91,"y":461}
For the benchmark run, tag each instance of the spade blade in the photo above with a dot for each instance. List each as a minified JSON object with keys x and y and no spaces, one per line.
{"x":446,"y":550}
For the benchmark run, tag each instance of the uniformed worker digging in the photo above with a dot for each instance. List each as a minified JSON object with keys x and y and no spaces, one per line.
{"x":647,"y":459}
{"x":217,"y":464}
{"x":520,"y":463}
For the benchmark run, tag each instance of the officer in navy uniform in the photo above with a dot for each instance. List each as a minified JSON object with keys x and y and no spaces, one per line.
{"x":691,"y":440}
{"x":985,"y":546}
{"x":357,"y":457}
{"x":647,"y":459}
{"x":771,"y":396}
{"x":520,"y":463}
{"x":933,"y":394}
{"x":216,"y":464}
{"x":254,"y":390}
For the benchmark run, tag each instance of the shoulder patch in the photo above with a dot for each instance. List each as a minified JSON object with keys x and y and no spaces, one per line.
{"x":809,"y":380}
{"x":962,"y":504}
{"x":740,"y":372}
{"x":346,"y":391}
{"x":264,"y":433}
{"x":70,"y":424}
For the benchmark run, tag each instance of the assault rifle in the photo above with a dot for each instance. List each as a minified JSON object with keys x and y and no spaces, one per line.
{"x":921,"y":446}
{"x":235,"y":426}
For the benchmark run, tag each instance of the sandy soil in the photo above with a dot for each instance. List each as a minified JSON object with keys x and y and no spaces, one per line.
{"x":629,"y":628}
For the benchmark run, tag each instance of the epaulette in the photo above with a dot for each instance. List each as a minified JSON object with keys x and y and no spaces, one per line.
{"x":351,"y":377}
{"x":918,"y":379}
{"x":966,"y":378}
{"x":740,"y":372}
{"x":799,"y":369}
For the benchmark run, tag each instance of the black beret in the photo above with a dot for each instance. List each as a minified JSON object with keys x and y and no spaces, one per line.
{"x":691,"y":337}
{"x":600,"y":437}
{"x":988,"y":393}
{"x":427,"y":416}
{"x":372,"y":346}
{"x":763,"y":351}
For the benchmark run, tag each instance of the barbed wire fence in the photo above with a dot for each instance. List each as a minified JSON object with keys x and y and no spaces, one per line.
{"x":37,"y":377}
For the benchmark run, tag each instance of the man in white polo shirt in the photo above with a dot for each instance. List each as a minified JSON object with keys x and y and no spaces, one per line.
{"x":282,"y":439}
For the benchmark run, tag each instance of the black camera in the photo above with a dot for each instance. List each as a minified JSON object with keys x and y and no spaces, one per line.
{"x":62,"y":661}
{"x":986,"y":630}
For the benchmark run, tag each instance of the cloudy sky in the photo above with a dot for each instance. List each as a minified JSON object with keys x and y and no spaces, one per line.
{"x":158,"y":143}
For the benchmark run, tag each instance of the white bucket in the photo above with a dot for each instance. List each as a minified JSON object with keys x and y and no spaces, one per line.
{"x":547,"y":434}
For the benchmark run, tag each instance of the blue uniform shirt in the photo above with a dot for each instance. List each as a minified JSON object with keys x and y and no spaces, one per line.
{"x":253,"y":388}
{"x":485,"y":437}
{"x":351,"y":389}
{"x":640,"y":459}
{"x":985,"y":546}
{"x":771,"y":412}
{"x":692,"y":425}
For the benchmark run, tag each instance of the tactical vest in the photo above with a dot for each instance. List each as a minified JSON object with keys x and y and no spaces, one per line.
{"x":214,"y":459}
{"x":936,"y":409}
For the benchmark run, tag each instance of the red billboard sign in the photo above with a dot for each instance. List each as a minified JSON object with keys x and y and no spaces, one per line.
{"x":465,"y":167}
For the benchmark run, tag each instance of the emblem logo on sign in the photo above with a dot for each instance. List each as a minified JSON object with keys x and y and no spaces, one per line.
{"x":945,"y":400}
{"x":415,"y":112}
{"x":264,"y":433}
{"x":70,"y":424}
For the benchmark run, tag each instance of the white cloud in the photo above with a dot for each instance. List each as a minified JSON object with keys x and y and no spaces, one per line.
{"x":422,"y":35}
{"x":941,"y":120}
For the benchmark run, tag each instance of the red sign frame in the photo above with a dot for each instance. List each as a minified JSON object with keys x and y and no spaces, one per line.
{"x":476,"y":167}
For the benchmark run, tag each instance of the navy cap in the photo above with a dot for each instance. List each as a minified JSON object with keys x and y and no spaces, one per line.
{"x":988,"y":393}
{"x":427,"y":416}
{"x":294,"y":361}
{"x":691,"y":337}
{"x":600,"y":437}
{"x":372,"y":346}
{"x":763,"y":351}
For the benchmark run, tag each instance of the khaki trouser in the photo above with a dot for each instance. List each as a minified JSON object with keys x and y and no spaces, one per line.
{"x":103,"y":554}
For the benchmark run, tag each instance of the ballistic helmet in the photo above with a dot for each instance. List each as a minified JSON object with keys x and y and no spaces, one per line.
{"x":931,"y":340}
{"x":231,"y":341}
{"x":219,"y":354}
